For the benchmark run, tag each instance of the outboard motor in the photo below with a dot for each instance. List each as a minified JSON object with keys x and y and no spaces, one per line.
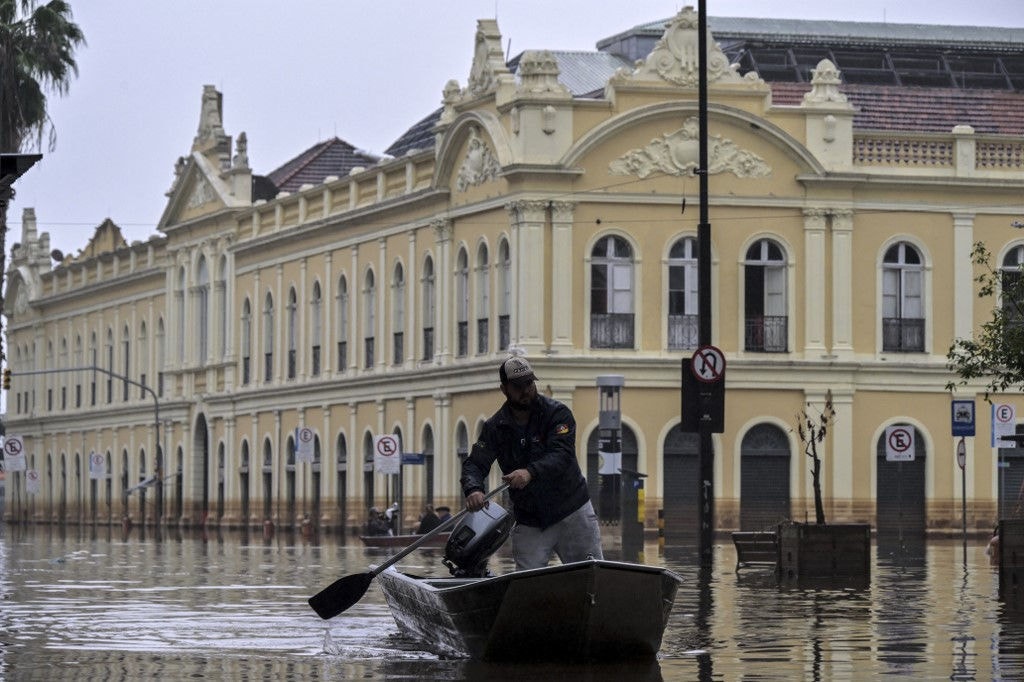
{"x":475,"y":538}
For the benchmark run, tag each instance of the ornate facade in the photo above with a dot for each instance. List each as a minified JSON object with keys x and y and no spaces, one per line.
{"x":558,"y":220}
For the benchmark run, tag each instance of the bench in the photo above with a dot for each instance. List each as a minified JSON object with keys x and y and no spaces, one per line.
{"x":756,"y":548}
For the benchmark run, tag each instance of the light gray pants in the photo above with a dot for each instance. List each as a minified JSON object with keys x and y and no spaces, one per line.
{"x":575,"y":538}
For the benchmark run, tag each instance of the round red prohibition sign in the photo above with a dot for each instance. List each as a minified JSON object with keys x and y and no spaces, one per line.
{"x":900,"y":440}
{"x":708,"y":364}
{"x":387,"y":446}
{"x":12,"y":446}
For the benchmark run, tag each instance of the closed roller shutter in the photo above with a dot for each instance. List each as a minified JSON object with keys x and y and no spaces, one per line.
{"x":764,"y":478}
{"x":682,"y":472}
{"x":900,"y":494}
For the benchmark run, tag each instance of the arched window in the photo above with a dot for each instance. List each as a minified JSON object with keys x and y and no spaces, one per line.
{"x":110,"y":364}
{"x":483,"y":300}
{"x":126,"y":362}
{"x":293,"y":332}
{"x":161,"y":356}
{"x":429,"y":308}
{"x":766,"y":322}
{"x":222,"y":308}
{"x":398,"y":316}
{"x":203,"y":309}
{"x":179,"y":313}
{"x":246,"y":342}
{"x":902,"y":299}
{"x":343,"y":324}
{"x":1012,"y":284}
{"x":315,"y":330}
{"x":682,"y":294}
{"x":268,"y":338}
{"x":143,"y":356}
{"x":462,"y":303}
{"x":611,"y":294}
{"x":504,"y":296}
{"x":369,"y":319}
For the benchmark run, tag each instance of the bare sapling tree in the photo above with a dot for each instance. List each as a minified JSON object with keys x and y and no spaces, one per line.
{"x":812,"y":427}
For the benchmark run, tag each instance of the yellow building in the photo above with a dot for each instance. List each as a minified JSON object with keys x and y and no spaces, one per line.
{"x":550,"y":205}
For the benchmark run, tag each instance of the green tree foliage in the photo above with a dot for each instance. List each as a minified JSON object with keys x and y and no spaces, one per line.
{"x":37,"y":56}
{"x":996,"y":352}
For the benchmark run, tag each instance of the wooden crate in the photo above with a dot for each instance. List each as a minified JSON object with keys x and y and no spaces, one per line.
{"x":824,"y":551}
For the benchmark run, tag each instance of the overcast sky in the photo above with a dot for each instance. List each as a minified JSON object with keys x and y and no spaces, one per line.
{"x":295,"y":72}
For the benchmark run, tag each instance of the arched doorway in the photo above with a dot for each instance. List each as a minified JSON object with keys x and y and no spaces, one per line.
{"x":200,"y":471}
{"x":764,"y":478}
{"x":681,"y":501}
{"x":368,"y":493}
{"x":900,"y":491}
{"x":289,"y":483}
{"x":316,"y":478}
{"x":268,"y":480}
{"x":243,"y":484}
{"x":221,"y":480}
{"x":341,"y":467}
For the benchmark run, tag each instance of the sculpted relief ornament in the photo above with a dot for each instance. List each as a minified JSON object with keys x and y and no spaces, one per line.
{"x":677,"y":154}
{"x":479,"y":166}
{"x":675,"y":57}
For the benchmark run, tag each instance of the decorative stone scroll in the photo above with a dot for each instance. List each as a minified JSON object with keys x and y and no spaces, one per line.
{"x":488,"y":60}
{"x":678,"y":153}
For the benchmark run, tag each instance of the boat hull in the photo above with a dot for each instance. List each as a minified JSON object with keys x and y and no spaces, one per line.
{"x":589,"y":610}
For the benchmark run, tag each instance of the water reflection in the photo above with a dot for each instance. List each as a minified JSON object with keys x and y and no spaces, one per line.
{"x":99,"y":602}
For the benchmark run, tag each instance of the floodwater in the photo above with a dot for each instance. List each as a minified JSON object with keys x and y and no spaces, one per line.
{"x":95,"y":603}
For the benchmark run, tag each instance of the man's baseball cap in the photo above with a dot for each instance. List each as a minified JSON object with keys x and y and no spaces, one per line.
{"x":516,"y":370}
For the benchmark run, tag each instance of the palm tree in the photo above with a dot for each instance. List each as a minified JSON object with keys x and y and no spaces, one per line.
{"x":37,"y":55}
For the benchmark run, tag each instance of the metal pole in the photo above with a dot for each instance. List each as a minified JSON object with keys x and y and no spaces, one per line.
{"x":705,"y":482}
{"x":961,"y":456}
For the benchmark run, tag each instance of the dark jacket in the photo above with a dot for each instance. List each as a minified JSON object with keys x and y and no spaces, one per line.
{"x":428,"y":523}
{"x":546,"y":447}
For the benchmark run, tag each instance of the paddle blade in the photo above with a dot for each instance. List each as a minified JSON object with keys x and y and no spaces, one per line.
{"x":340,"y":595}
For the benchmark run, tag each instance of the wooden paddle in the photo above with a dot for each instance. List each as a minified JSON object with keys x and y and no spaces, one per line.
{"x":340,"y":595}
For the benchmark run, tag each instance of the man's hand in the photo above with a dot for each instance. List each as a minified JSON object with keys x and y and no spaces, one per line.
{"x":518,"y":479}
{"x":475,"y":501}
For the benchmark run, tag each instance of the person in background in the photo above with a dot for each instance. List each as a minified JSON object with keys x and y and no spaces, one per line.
{"x":428,"y":520}
{"x":376,"y":524}
{"x":443,"y":514}
{"x":533,"y":439}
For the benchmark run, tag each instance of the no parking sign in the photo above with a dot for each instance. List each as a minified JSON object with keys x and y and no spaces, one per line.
{"x":899,"y":443}
{"x":387,"y":454}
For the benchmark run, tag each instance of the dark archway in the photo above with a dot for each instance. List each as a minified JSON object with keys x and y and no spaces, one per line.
{"x":764,"y":478}
{"x":200,"y":471}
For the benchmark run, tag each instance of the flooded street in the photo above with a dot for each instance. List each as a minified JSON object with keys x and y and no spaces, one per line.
{"x":93,"y":603}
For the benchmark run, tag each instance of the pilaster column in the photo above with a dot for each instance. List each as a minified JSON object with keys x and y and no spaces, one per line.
{"x":529,"y":261}
{"x":963,"y":275}
{"x":842,"y":284}
{"x":561,"y":275}
{"x":443,"y":332}
{"x":814,"y":282}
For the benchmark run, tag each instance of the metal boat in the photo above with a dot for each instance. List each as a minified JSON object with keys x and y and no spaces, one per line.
{"x":586,"y":610}
{"x":592,"y":610}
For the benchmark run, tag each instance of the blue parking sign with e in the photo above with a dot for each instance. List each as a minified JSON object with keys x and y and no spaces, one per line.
{"x":963,"y":417}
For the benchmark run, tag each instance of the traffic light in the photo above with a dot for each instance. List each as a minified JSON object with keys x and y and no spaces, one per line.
{"x":7,"y":379}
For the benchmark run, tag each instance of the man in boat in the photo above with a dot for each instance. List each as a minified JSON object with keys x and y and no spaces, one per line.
{"x":533,"y":439}
{"x":376,"y":524}
{"x":428,"y":520}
